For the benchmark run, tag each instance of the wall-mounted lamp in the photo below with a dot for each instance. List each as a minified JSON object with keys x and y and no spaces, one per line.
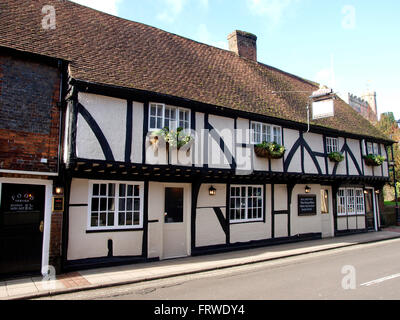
{"x":59,"y":190}
{"x":212,"y":191}
{"x":365,"y":192}
{"x":377,"y":192}
{"x":308,"y":189}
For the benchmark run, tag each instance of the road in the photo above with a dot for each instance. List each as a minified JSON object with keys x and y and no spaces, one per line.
{"x":368,"y":271}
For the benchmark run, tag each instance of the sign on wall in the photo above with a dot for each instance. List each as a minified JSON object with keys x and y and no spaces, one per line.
{"x":322,"y":109}
{"x":307,"y":205}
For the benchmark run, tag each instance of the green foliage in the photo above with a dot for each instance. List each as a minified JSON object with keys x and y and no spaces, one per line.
{"x":271,"y":150}
{"x":336,"y":156}
{"x":374,"y":160}
{"x":175,"y":138}
{"x":388,"y":125}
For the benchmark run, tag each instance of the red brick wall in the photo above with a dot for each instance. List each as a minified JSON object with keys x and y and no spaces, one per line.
{"x":29,"y":115}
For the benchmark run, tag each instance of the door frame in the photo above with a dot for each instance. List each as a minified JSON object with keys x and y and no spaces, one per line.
{"x":47,"y":214}
{"x":187,"y":191}
{"x":374,"y":204}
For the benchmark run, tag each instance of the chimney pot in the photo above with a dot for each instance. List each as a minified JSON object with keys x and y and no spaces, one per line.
{"x":244,"y":44}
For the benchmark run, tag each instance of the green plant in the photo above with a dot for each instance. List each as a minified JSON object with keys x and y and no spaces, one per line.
{"x":336,"y":156}
{"x":174,"y":138}
{"x":374,"y":160}
{"x":270,"y":150}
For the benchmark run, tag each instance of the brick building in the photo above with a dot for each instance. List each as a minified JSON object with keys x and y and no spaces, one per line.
{"x":30,"y":113}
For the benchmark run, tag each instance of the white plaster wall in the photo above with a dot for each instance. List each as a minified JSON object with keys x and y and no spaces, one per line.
{"x":137,"y":128}
{"x":361,"y":222}
{"x":342,"y":223}
{"x":385,"y":164}
{"x":110,"y":115}
{"x":245,"y":232}
{"x":291,"y":137}
{"x":225,"y":128}
{"x":280,"y":197}
{"x":82,"y":245}
{"x":208,"y":229}
{"x":315,"y":141}
{"x":309,"y":165}
{"x":281,"y":221}
{"x":87,"y":145}
{"x":199,"y":140}
{"x":305,"y":224}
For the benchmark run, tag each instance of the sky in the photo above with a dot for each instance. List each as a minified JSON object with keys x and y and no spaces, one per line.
{"x":352,"y":45}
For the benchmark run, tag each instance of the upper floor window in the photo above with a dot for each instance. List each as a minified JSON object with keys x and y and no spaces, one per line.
{"x":332,"y":145}
{"x":261,"y":132}
{"x":370,"y":148}
{"x":161,"y":116}
{"x":115,"y":205}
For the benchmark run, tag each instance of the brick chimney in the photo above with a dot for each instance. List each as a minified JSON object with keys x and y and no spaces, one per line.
{"x":244,"y":44}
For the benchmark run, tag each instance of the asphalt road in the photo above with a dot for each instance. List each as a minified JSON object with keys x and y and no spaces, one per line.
{"x":368,"y":271}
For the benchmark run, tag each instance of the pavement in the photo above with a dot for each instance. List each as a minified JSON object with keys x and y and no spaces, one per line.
{"x":36,"y":287}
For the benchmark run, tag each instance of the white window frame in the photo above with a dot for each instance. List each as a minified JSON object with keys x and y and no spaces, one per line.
{"x":265,"y":132}
{"x":116,"y":226}
{"x":351,"y":200}
{"x":246,"y":208}
{"x":178,"y":121}
{"x":370,"y":148}
{"x":332,"y":145}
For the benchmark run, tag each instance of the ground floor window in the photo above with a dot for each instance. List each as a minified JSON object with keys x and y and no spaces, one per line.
{"x":246,"y":203}
{"x":115,"y":205}
{"x":350,"y":201}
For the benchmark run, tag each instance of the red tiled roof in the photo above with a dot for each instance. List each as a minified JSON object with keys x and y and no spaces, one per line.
{"x":113,"y":51}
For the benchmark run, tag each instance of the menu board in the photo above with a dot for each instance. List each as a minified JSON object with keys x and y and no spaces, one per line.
{"x":307,"y":205}
{"x":21,"y":203}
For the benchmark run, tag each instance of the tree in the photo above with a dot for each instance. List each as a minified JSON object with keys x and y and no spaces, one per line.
{"x":388,"y":125}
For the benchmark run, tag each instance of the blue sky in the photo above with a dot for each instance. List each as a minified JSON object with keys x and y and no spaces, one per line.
{"x":350,"y":45}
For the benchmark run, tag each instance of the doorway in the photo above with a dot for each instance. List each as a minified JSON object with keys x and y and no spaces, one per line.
{"x":22,"y":209}
{"x":370,"y":215}
{"x":175,"y":222}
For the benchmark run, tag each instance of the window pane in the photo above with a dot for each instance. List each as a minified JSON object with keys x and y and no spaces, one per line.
{"x":129,"y":219}
{"x":103,"y":219}
{"x":103,"y":189}
{"x":129,"y":204}
{"x":136,"y":220}
{"x":111,"y":204}
{"x":94,"y":220}
{"x":111,"y":189}
{"x":95,"y":189}
{"x":121,"y":204}
{"x":136,"y":206}
{"x":95,"y":204}
{"x":152,"y":122}
{"x":136,"y":194}
{"x":103,"y":204}
{"x":130,"y":191}
{"x":110,"y":219}
{"x":122,"y":188}
{"x":121,"y":218}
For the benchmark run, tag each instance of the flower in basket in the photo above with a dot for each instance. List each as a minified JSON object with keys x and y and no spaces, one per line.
{"x":174,"y":138}
{"x":336,"y":156}
{"x":270,"y":150}
{"x":374,"y":160}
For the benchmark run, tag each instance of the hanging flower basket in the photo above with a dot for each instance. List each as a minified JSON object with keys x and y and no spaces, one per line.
{"x":374,"y":160}
{"x":270,"y":150}
{"x":176,"y":139}
{"x":336,"y":156}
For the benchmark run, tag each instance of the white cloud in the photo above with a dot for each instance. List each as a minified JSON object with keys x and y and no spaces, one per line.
{"x":273,"y":9}
{"x":204,"y":36}
{"x":108,"y":6}
{"x":172,"y":10}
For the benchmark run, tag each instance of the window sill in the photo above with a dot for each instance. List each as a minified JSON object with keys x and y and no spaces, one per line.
{"x":114,"y":230}
{"x":247,"y":221}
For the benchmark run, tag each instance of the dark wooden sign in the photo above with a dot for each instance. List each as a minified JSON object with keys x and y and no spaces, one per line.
{"x":307,"y":205}
{"x":58,"y":204}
